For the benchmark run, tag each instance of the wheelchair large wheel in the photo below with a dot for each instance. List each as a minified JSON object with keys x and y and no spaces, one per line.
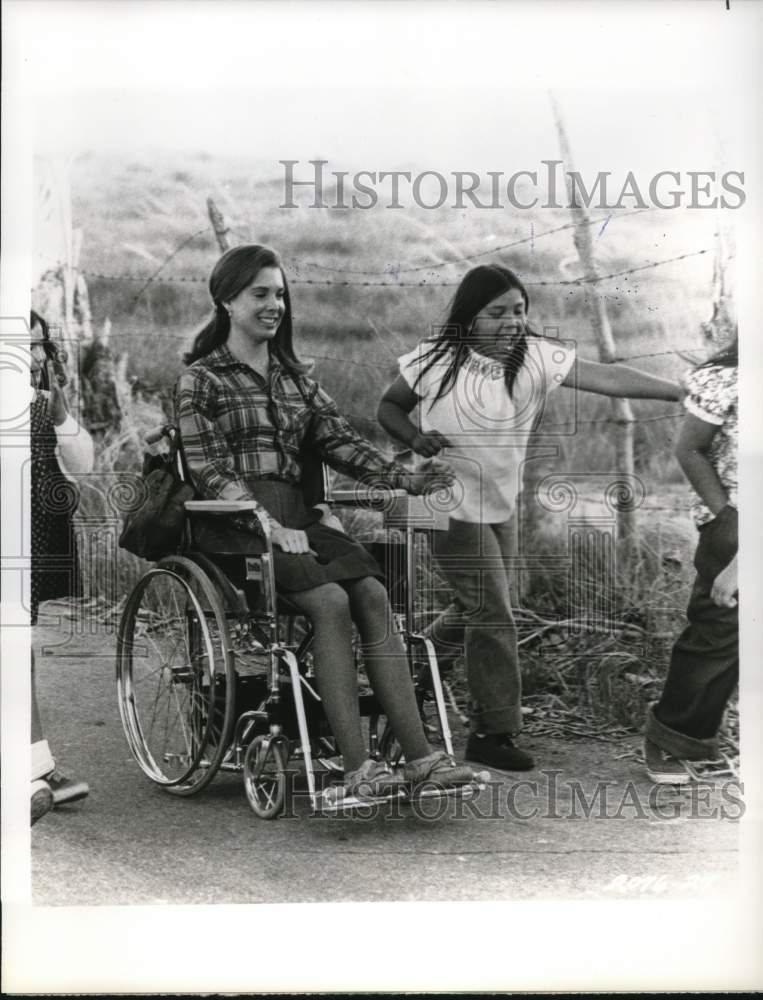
{"x":175,"y":679}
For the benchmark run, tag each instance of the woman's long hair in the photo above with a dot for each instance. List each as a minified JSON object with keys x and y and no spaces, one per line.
{"x":235,"y":271}
{"x":478,"y":289}
{"x":48,"y":346}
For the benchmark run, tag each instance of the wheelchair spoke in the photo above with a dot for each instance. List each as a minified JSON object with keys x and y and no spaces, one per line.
{"x":182,"y":721}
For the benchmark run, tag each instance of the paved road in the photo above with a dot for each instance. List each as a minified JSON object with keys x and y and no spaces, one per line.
{"x":526,"y":837}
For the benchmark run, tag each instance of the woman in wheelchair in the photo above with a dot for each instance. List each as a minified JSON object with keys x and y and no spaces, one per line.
{"x":246,"y":410}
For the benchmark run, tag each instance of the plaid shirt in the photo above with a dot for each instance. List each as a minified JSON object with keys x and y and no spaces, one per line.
{"x":238,"y":426}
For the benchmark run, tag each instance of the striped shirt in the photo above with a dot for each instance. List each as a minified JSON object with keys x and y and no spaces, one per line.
{"x":238,"y":426}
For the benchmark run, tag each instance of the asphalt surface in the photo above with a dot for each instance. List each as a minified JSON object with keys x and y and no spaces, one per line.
{"x":525,"y":837}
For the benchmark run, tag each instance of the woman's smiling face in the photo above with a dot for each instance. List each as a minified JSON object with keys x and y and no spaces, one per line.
{"x":497,"y":326}
{"x":258,"y":309}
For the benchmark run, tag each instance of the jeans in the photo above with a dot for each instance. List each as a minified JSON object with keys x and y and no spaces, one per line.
{"x":474,"y":559}
{"x":704,"y":665}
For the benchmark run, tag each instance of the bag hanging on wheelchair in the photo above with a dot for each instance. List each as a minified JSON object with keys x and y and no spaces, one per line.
{"x":154,"y":528}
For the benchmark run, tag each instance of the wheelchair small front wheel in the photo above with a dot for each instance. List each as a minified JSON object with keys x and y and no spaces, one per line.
{"x":265,"y":776}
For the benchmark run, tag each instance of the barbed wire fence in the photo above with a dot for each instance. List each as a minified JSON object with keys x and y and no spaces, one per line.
{"x":158,"y":277}
{"x":392,"y":276}
{"x":155,"y":278}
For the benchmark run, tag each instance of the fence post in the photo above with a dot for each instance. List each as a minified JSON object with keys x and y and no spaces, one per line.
{"x":719,"y":329}
{"x":218,"y":224}
{"x":622,"y":415}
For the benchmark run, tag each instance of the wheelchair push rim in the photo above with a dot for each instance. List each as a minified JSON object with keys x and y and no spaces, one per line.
{"x":175,"y":678}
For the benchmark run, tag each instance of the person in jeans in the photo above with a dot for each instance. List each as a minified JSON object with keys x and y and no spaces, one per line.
{"x":482,"y":382}
{"x":704,"y":664}
{"x":60,"y":449}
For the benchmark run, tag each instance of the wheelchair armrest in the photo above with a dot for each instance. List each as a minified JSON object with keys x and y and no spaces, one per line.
{"x":157,"y":433}
{"x":360,"y":497}
{"x":221,"y":506}
{"x":399,"y":509}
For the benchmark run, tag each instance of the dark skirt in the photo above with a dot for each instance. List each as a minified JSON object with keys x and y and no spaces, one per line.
{"x":337,"y":557}
{"x":55,"y":561}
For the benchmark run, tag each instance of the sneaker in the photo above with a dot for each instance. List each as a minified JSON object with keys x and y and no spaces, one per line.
{"x":66,"y":789}
{"x":439,"y":768}
{"x":498,"y":750}
{"x":662,"y":768}
{"x":42,"y":799}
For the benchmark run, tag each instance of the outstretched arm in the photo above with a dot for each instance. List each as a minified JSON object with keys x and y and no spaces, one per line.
{"x":344,"y":449}
{"x":396,"y":403}
{"x":620,"y":380}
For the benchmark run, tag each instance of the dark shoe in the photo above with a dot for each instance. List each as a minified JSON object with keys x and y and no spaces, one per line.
{"x":497,"y":750}
{"x":42,"y":799}
{"x":66,"y":789}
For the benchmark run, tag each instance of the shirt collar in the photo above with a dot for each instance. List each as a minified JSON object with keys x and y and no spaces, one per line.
{"x":485,"y":365}
{"x":221,"y":357}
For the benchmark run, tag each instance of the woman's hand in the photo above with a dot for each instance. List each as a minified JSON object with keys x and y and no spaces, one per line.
{"x":725,"y":586}
{"x":289,"y":539}
{"x":432,"y":475}
{"x":429,"y":443}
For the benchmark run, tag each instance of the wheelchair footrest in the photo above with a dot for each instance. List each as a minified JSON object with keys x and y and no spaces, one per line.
{"x":467,"y":791}
{"x":332,"y":801}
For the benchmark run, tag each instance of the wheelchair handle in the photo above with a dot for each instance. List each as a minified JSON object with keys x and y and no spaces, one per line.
{"x":157,"y":433}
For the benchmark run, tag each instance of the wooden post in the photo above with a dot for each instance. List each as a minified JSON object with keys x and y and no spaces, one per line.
{"x":719,"y":329}
{"x":622,"y":415}
{"x":218,"y":224}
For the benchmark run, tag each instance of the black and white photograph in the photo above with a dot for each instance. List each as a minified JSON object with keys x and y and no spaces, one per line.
{"x":375,"y":459}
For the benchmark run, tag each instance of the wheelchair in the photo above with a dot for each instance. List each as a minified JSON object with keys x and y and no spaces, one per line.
{"x":214,"y":677}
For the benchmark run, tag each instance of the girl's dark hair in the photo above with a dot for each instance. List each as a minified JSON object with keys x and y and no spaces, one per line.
{"x":726,"y":357}
{"x":477,"y":289}
{"x":36,"y":320}
{"x":235,"y":271}
{"x":48,"y":346}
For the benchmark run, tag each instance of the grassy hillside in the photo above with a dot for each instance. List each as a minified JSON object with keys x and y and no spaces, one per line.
{"x":140,"y":218}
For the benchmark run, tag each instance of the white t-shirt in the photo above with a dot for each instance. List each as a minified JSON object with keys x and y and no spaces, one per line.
{"x":487,"y":429}
{"x":74,"y":449}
